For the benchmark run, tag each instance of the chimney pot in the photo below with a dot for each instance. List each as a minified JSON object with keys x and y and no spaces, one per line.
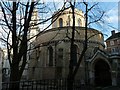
{"x":113,"y":32}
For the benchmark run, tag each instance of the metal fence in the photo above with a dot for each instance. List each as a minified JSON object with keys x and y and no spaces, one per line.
{"x":54,"y":84}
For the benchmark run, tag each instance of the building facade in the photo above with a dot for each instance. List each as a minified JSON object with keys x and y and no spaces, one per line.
{"x":113,"y":43}
{"x":113,"y":49}
{"x":5,"y":67}
{"x":51,"y":59}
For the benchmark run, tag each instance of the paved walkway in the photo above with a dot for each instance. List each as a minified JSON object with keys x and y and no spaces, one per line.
{"x":111,"y":88}
{"x":100,"y":88}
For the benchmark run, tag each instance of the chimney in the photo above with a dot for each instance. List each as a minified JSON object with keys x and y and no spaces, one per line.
{"x":113,"y":32}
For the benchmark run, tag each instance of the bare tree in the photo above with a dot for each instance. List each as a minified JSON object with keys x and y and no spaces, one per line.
{"x":17,"y":23}
{"x":94,"y":18}
{"x":17,"y":32}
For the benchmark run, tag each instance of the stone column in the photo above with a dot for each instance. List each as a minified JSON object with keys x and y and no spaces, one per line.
{"x":113,"y":77}
{"x":114,"y":72}
{"x":91,"y":77}
{"x":118,"y":73}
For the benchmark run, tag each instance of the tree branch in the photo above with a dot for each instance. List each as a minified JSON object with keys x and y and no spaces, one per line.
{"x":8,"y":50}
{"x":5,"y":17}
{"x":97,"y":19}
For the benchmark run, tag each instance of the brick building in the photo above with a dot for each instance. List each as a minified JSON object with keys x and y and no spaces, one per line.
{"x":113,"y":43}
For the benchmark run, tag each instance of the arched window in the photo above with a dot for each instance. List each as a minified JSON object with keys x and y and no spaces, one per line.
{"x":60,"y":57}
{"x":75,"y":51}
{"x":60,"y":53}
{"x":60,"y":22}
{"x":79,"y":22}
{"x":68,"y":24}
{"x":50,"y":51}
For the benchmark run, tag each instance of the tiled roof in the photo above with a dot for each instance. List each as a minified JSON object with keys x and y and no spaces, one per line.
{"x":116,"y":35}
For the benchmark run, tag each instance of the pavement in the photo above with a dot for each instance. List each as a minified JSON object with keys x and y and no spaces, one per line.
{"x":101,"y":88}
{"x":111,"y":88}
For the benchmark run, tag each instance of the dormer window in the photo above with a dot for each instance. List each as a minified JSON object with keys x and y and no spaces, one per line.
{"x":60,"y":22}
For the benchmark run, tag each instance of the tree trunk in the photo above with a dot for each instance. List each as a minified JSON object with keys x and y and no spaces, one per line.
{"x":70,"y":78}
{"x":70,"y":81}
{"x":14,"y":78}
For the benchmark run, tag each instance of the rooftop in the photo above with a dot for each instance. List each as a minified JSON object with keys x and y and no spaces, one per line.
{"x":113,"y":36}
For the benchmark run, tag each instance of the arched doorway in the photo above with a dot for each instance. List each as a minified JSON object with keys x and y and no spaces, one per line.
{"x":102,"y":74}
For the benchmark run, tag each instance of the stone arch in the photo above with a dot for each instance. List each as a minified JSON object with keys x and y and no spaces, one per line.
{"x":102,"y":73}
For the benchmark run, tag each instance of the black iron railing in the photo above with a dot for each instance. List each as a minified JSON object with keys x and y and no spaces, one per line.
{"x":53,"y":84}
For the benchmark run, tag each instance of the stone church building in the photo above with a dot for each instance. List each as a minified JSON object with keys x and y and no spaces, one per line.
{"x":51,"y":59}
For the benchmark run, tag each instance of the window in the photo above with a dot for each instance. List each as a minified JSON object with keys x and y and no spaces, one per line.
{"x":79,"y":22}
{"x":111,"y":42}
{"x":60,"y":22}
{"x":60,"y":57}
{"x":60,"y":54}
{"x":50,"y":51}
{"x":118,"y":41}
{"x":75,"y":54}
{"x":116,"y":49}
{"x":68,"y":23}
{"x":113,"y":50}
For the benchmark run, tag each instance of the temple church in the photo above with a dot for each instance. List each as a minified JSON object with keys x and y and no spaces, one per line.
{"x":51,"y":60}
